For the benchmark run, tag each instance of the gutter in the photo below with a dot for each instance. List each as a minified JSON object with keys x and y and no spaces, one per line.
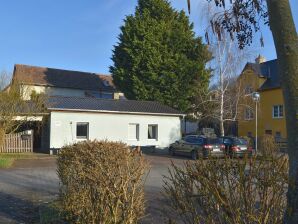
{"x":116,"y":112}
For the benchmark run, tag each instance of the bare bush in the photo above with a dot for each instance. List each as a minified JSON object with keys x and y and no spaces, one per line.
{"x":102,"y":182}
{"x":229,"y":191}
{"x":15,"y":111}
{"x":268,"y":146}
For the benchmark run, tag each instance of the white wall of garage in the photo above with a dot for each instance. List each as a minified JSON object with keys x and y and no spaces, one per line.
{"x":114,"y":127}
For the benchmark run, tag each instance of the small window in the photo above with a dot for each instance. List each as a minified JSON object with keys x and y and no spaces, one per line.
{"x":278,"y":134}
{"x":194,"y":140}
{"x":133,"y":131}
{"x":213,"y":141}
{"x":248,"y":115}
{"x":249,"y":134}
{"x":82,"y":130}
{"x":248,"y":90}
{"x":277,"y":111}
{"x":268,"y":132}
{"x":227,"y":141}
{"x":152,"y":131}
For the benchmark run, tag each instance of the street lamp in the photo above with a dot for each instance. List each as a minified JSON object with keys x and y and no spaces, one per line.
{"x":256,"y":99}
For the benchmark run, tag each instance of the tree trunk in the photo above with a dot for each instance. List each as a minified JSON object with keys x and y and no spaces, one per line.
{"x":221,"y":120}
{"x":222,"y":93}
{"x":286,"y":44}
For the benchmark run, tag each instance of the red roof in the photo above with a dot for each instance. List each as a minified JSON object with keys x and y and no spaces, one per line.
{"x":43,"y":76}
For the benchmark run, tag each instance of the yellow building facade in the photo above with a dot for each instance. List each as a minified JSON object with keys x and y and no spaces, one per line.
{"x":261,"y":77}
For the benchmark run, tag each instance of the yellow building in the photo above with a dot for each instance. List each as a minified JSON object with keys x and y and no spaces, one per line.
{"x":261,"y":77}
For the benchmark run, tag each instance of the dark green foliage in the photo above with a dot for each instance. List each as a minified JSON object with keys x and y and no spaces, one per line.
{"x":101,"y":182}
{"x":158,"y":56}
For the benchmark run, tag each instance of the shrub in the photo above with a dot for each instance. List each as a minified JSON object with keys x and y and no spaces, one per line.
{"x":268,"y":146}
{"x":101,"y":182}
{"x":229,"y":191}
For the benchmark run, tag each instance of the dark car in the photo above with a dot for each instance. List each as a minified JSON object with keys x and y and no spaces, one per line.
{"x":236,"y":147}
{"x":198,"y":146}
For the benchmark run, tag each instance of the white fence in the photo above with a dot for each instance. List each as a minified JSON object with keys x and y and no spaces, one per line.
{"x":18,"y":142}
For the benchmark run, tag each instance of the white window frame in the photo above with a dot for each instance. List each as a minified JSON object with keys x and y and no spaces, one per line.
{"x":82,"y":137}
{"x":156,"y":126}
{"x":137,"y":128}
{"x":248,"y":114}
{"x":280,"y":111}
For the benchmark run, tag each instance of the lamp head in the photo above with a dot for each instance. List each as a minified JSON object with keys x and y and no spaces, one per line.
{"x":256,"y":96}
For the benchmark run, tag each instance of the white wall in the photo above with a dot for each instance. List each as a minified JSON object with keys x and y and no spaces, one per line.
{"x":113,"y":127}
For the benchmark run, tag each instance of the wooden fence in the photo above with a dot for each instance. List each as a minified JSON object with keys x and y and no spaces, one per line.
{"x":18,"y":142}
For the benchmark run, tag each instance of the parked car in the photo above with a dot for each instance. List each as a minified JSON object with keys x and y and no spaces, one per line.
{"x":198,"y":146}
{"x":236,"y":147}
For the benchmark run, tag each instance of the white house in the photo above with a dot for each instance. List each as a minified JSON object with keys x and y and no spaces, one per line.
{"x":137,"y":123}
{"x":87,"y":106}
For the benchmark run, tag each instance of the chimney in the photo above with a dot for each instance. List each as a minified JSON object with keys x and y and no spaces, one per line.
{"x":260,"y":59}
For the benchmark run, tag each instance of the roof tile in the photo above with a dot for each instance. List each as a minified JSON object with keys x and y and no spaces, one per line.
{"x":63,"y":78}
{"x":101,"y":105}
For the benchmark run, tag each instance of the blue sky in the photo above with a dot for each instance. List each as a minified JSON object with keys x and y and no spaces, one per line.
{"x":80,"y":34}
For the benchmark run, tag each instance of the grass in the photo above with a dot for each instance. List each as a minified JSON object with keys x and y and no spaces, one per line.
{"x":6,"y":162}
{"x":7,"y":159}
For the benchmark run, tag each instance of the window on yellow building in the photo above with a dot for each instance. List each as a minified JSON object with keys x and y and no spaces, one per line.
{"x":278,"y":134}
{"x":248,"y":114}
{"x":248,"y":90}
{"x":277,"y":111}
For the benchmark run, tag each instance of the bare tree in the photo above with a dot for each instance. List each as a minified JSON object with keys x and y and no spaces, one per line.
{"x":222,"y":101}
{"x":4,"y":79}
{"x":242,"y":19}
{"x":14,"y":110}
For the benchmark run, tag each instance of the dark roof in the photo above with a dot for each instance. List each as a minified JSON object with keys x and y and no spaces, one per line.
{"x":268,"y":70}
{"x":62,"y":78}
{"x":109,"y":105}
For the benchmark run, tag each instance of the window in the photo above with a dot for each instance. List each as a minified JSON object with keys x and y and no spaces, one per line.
{"x":82,"y":130}
{"x":213,"y":141}
{"x":249,"y":134}
{"x":248,"y":114}
{"x":278,"y":134}
{"x":133,"y":131}
{"x":240,"y":141}
{"x":227,"y":141}
{"x":268,"y":132}
{"x":194,"y":139}
{"x":152,"y":131}
{"x":278,"y":111}
{"x":248,"y":90}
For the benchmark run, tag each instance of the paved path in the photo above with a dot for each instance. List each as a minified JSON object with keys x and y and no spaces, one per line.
{"x":24,"y":187}
{"x":33,"y":182}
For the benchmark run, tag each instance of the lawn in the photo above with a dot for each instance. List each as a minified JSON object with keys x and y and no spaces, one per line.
{"x":7,"y":159}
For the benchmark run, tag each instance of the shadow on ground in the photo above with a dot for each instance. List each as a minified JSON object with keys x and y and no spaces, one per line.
{"x":17,"y":210}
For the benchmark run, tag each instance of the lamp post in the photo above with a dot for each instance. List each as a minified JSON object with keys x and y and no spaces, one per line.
{"x":256,"y":99}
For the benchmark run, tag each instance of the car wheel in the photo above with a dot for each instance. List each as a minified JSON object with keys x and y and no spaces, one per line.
{"x":194,"y":155}
{"x":171,"y":151}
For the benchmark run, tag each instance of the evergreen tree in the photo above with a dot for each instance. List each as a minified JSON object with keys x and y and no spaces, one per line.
{"x":158,"y":56}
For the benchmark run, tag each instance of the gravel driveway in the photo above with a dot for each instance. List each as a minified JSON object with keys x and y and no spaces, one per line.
{"x":33,"y":182}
